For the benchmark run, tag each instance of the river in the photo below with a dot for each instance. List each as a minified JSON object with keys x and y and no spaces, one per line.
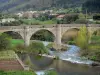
{"x":69,"y":63}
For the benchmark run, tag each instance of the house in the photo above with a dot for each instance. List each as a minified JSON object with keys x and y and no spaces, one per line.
{"x":28,"y":14}
{"x":59,"y":17}
{"x":7,"y":20}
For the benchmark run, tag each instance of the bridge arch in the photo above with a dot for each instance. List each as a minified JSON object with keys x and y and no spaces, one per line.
{"x":14,"y":34}
{"x":69,"y":35}
{"x":96,"y":32}
{"x":43,"y":35}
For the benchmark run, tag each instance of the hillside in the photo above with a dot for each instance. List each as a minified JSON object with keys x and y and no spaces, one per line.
{"x":18,"y":5}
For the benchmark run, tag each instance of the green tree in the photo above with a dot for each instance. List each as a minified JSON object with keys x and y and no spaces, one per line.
{"x":5,"y":41}
{"x":82,"y":38}
{"x":37,"y":48}
{"x":68,"y":19}
{"x":92,"y":6}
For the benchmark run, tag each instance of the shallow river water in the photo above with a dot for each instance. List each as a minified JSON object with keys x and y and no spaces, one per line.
{"x":63,"y":67}
{"x":69,"y":64}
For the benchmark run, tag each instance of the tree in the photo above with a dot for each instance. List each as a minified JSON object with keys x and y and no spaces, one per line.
{"x":91,"y":6}
{"x":5,"y":42}
{"x":82,"y":38}
{"x":37,"y":48}
{"x":96,"y":17}
{"x":69,"y":19}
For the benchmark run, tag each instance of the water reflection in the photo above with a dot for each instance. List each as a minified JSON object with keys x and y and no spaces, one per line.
{"x":65,"y":67}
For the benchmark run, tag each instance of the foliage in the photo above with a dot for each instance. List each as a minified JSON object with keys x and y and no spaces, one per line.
{"x":43,"y":35}
{"x":5,"y":42}
{"x":82,"y":38}
{"x":51,"y":72}
{"x":68,"y":19}
{"x":95,"y":39}
{"x":17,"y":73}
{"x":54,"y":47}
{"x":50,"y":45}
{"x":43,"y":17}
{"x":19,"y":48}
{"x":71,"y":42}
{"x":81,"y":21}
{"x":13,"y":23}
{"x":91,"y":6}
{"x":37,"y":48}
{"x":37,"y":22}
{"x":82,"y":16}
{"x":96,"y":17}
{"x":25,"y":5}
{"x":94,"y":52}
{"x":7,"y":54}
{"x":15,"y":42}
{"x":69,"y":10}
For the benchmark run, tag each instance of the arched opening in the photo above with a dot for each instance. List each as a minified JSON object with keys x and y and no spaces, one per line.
{"x":95,"y":38}
{"x":16,"y":37}
{"x":43,"y":35}
{"x":70,"y":35}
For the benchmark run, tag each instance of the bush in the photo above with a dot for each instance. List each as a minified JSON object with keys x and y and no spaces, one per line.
{"x":81,"y":21}
{"x":20,"y":48}
{"x":37,"y":47}
{"x":54,"y":47}
{"x":5,"y":42}
{"x":68,"y":19}
{"x":71,"y":42}
{"x":82,"y":38}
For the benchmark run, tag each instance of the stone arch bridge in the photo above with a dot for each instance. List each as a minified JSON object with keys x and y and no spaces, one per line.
{"x":26,"y":31}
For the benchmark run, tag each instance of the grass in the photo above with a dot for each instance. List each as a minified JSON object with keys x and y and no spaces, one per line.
{"x":17,"y":73}
{"x":17,"y":41}
{"x":7,"y":54}
{"x":95,"y":39}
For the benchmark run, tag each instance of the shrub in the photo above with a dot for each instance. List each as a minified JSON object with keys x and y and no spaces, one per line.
{"x":37,"y":47}
{"x":71,"y":42}
{"x":5,"y":42}
{"x":82,"y":38}
{"x":81,"y":21}
{"x":68,"y":19}
{"x":20,"y":48}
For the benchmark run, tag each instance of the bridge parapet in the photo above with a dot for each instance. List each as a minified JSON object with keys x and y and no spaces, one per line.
{"x":42,"y":26}
{"x":49,"y":26}
{"x":11,"y":27}
{"x":79,"y":25}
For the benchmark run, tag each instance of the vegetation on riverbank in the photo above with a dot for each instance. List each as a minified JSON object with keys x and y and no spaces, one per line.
{"x":8,"y":54}
{"x":15,"y":42}
{"x":89,"y":50}
{"x":33,"y":48}
{"x":55,"y":47}
{"x":5,"y":42}
{"x":17,"y":73}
